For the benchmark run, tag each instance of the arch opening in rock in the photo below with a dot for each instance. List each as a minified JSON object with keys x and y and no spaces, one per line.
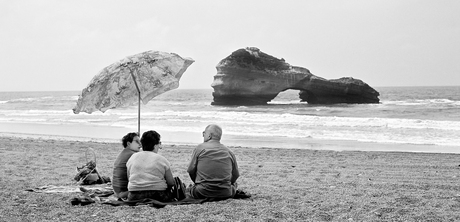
{"x":286,"y":96}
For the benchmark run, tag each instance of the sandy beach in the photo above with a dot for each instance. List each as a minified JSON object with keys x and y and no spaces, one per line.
{"x":286,"y":184}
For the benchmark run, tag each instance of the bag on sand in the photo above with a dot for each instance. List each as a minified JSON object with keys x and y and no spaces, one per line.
{"x":178,"y":190}
{"x":88,"y":174}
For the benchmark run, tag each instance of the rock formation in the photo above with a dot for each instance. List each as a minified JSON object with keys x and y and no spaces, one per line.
{"x":251,"y":77}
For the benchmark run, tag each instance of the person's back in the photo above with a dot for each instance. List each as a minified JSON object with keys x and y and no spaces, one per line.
{"x":149,"y":173}
{"x":120,"y":177}
{"x":213,"y":168}
{"x":131,"y":145}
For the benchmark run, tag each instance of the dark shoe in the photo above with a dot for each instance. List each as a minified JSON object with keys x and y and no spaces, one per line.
{"x":81,"y":201}
{"x":75,"y":201}
{"x":241,"y":195}
{"x":85,"y":201}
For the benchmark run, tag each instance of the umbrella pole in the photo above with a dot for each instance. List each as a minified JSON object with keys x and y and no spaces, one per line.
{"x":139,"y":116}
{"x":139,"y":104}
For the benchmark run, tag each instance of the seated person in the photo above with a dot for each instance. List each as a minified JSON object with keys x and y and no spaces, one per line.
{"x":213,"y":167}
{"x":149,"y":173}
{"x":131,"y":145}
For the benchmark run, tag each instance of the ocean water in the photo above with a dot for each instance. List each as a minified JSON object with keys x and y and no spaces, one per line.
{"x":405,"y":115}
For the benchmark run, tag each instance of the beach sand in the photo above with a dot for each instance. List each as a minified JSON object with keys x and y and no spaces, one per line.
{"x":286,"y":184}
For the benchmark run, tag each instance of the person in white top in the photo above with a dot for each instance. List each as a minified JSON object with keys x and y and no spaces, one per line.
{"x":149,"y":173}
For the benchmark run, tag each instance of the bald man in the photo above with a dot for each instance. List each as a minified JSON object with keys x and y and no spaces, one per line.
{"x":213,"y":167}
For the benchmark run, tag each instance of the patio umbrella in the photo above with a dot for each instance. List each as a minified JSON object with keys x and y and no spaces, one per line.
{"x":133,"y":79}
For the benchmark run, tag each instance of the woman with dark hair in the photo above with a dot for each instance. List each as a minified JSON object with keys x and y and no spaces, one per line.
{"x":149,"y":173}
{"x":131,"y":144}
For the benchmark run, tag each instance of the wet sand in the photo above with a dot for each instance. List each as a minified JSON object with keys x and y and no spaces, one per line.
{"x":114,"y":134}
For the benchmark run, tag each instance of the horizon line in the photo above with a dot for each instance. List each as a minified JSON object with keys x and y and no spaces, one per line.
{"x":75,"y":90}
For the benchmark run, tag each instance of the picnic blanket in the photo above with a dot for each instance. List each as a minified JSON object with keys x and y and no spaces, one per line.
{"x":88,"y":194}
{"x":100,"y":188}
{"x":103,"y":194}
{"x":155,"y":203}
{"x":188,"y":200}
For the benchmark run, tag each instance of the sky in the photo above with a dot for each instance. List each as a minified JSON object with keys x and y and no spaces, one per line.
{"x":59,"y":45}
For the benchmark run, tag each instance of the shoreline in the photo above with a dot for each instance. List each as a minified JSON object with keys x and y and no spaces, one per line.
{"x":87,"y":133}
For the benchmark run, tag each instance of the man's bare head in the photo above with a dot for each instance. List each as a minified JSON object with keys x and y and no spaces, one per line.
{"x":212,"y":132}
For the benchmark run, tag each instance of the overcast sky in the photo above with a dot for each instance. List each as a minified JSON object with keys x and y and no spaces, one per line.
{"x":61,"y":45}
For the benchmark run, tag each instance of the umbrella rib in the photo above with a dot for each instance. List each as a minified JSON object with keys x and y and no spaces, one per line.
{"x":135,"y":83}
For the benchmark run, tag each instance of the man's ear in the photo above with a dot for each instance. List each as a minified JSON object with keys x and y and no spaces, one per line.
{"x":208,"y":138}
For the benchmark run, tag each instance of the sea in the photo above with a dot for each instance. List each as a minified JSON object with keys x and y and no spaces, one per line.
{"x":405,"y":117}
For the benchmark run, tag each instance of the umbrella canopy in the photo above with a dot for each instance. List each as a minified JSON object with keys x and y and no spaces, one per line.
{"x":135,"y":78}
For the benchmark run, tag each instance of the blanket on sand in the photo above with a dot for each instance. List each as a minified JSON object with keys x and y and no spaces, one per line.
{"x":155,"y":203}
{"x":188,"y":200}
{"x":103,"y":193}
{"x":98,"y":188}
{"x":88,"y":194}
